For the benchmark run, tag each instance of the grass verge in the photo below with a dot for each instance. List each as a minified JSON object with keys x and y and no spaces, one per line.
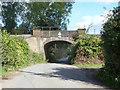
{"x":35,"y":58}
{"x":5,"y":72}
{"x":88,"y":65}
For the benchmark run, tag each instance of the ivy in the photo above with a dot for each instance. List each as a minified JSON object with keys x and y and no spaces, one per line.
{"x":15,"y":50}
{"x":16,"y":53}
{"x":87,"y":49}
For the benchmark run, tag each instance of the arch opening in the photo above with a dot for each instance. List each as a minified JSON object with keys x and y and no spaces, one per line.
{"x":57,"y":51}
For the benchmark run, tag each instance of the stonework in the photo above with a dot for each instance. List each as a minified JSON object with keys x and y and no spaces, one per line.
{"x":33,"y":44}
{"x":41,"y":38}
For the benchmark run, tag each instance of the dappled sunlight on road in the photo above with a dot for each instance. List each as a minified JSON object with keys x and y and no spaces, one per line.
{"x":61,"y":76}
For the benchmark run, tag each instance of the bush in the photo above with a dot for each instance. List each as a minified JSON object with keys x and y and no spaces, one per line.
{"x":87,"y":49}
{"x":15,"y":50}
{"x":16,"y":53}
{"x":36,"y":58}
{"x":111,"y":45}
{"x":75,"y":36}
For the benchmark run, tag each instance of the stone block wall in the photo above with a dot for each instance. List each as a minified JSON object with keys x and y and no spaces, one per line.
{"x":33,"y":44}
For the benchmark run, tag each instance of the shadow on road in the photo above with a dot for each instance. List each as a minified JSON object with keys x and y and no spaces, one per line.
{"x":76,"y":74}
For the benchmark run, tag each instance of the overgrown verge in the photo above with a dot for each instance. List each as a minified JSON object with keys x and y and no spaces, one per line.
{"x":111,"y":46}
{"x":89,"y":65}
{"x":86,"y":50}
{"x":16,"y":54}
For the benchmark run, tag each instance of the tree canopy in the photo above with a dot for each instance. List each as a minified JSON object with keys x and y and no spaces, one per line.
{"x":34,"y":14}
{"x":9,"y":14}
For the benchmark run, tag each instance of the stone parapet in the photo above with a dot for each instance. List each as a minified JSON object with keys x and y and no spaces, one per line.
{"x":48,"y":33}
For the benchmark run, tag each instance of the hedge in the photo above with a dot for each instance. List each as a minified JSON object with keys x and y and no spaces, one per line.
{"x":87,"y":49}
{"x":16,"y":53}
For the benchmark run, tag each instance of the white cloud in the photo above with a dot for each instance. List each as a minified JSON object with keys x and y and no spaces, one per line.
{"x":90,"y":20}
{"x":83,"y":24}
{"x":96,"y":22}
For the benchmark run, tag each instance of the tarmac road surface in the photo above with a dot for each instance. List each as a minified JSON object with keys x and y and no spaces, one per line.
{"x":52,"y":75}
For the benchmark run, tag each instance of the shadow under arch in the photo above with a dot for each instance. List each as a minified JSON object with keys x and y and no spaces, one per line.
{"x":50,"y":43}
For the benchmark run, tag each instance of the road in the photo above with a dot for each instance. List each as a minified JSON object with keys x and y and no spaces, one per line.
{"x":52,"y":75}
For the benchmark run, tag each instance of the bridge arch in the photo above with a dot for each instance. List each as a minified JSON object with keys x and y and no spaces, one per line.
{"x":42,"y":39}
{"x":50,"y":43}
{"x":59,"y":40}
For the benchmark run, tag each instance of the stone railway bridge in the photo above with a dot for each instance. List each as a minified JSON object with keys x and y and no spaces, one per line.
{"x":41,"y":40}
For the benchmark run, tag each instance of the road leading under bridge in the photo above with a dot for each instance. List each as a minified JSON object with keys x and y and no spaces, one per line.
{"x":52,"y":75}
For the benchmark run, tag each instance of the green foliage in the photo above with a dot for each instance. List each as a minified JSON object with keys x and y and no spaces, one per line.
{"x":75,"y":36}
{"x":111,"y":46}
{"x":48,"y":14}
{"x":58,"y":51}
{"x":36,"y":58}
{"x":10,"y":11}
{"x":15,"y":50}
{"x":34,"y":14}
{"x":87,"y":49}
{"x":103,"y":75}
{"x":89,"y":65}
{"x":16,"y":53}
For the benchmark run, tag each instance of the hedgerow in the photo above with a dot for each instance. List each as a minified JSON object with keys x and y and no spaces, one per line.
{"x":87,"y":49}
{"x":16,"y":53}
{"x":15,"y":50}
{"x":111,"y":46}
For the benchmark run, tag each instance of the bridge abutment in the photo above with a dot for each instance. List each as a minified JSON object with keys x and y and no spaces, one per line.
{"x":36,"y":45}
{"x":41,"y":38}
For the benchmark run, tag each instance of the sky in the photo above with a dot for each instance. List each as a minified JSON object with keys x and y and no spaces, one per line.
{"x":90,"y":14}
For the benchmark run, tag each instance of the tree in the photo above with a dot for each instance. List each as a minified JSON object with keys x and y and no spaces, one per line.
{"x":111,"y":46}
{"x":10,"y":11}
{"x":35,"y":14}
{"x":47,"y":14}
